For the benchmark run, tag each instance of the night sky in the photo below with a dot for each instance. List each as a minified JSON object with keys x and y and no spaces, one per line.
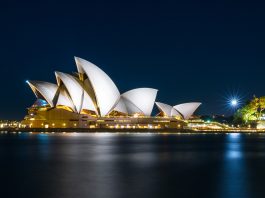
{"x":188,"y":50}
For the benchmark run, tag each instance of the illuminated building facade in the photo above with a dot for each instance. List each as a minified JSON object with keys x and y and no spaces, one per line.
{"x":90,"y":99}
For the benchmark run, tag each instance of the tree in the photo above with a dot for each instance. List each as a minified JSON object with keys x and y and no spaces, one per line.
{"x":251,"y":111}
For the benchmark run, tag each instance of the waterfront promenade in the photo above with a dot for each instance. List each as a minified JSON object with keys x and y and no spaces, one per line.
{"x":108,"y":130}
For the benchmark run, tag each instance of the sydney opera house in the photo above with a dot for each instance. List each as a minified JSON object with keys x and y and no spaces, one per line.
{"x":90,"y":99}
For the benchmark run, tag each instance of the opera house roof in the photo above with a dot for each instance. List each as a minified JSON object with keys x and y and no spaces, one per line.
{"x":91,"y":89}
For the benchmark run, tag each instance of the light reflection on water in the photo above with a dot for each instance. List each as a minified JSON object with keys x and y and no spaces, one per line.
{"x":233,"y":148}
{"x":234,"y":174}
{"x":132,"y":165}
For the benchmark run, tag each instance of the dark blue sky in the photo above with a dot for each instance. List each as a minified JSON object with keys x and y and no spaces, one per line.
{"x":189,"y":50}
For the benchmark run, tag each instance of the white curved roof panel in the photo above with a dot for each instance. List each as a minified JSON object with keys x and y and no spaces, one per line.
{"x":89,"y":89}
{"x":131,"y":107}
{"x":79,"y":97}
{"x":165,"y":108}
{"x":79,"y":62}
{"x":142,"y":98}
{"x":106,"y":92}
{"x":88,"y":103}
{"x":174,"y":112}
{"x":64,"y":99}
{"x":187,"y":109}
{"x":46,"y":89}
{"x":120,"y":106}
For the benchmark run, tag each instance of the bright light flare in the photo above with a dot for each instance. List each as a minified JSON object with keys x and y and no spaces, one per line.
{"x":234,"y":102}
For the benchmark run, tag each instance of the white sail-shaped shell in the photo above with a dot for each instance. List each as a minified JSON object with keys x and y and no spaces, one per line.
{"x":121,"y":107}
{"x":142,"y":98}
{"x":64,"y":99}
{"x":79,"y":97}
{"x":106,"y":92}
{"x":165,"y":108}
{"x":174,"y":112}
{"x":187,"y":109}
{"x":131,"y":107}
{"x":46,"y":89}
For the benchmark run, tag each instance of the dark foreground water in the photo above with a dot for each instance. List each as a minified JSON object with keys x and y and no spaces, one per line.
{"x":132,"y":165}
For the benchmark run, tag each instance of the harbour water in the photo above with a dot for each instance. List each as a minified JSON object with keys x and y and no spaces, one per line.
{"x":100,"y":165}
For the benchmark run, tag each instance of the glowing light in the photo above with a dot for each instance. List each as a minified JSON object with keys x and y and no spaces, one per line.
{"x":234,"y":102}
{"x":136,"y":115}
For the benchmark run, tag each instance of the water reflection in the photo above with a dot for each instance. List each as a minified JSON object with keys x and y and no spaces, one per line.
{"x":233,"y":149}
{"x":132,"y":165}
{"x":234,"y":181}
{"x":44,"y":146}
